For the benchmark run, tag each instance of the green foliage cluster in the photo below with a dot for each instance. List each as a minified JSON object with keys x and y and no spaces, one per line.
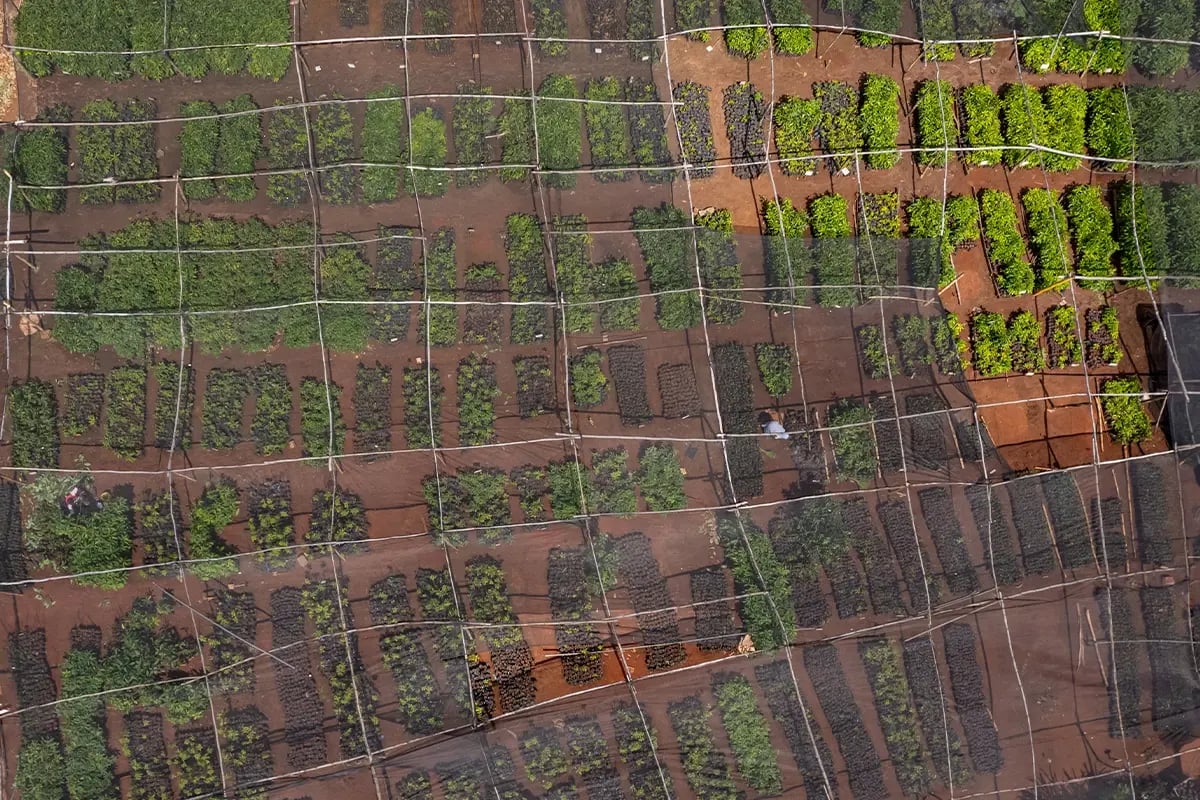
{"x":879,"y":234}
{"x":322,"y":430}
{"x":99,"y":543}
{"x":612,"y":486}
{"x":118,"y":152}
{"x":774,"y":367}
{"x":839,"y":129}
{"x":383,"y":143}
{"x":720,"y":271}
{"x":876,"y":18}
{"x":1061,"y":332}
{"x":225,"y":392}
{"x":574,"y":272}
{"x":796,"y":122}
{"x":1025,"y":338}
{"x":269,"y":523}
{"x":425,"y":175}
{"x":703,"y":764}
{"x":749,"y":554}
{"x":441,"y":270}
{"x":897,"y":716}
{"x":853,"y":441}
{"x":344,"y":276}
{"x":934,"y":236}
{"x":1183,"y":229}
{"x":1128,"y":421}
{"x":981,"y":125}
{"x":239,"y":144}
{"x":550,"y":19}
{"x":694,"y":126}
{"x":477,"y":394}
{"x":937,"y":128}
{"x":558,"y":120}
{"x":607,"y":128}
{"x":1166,"y":123}
{"x":659,"y":477}
{"x":937,"y":24}
{"x":793,"y":36}
{"x":949,"y":347}
{"x":990,"y":344}
{"x":422,"y":387}
{"x":523,"y":248}
{"x":589,"y":384}
{"x":877,"y":363}
{"x":1066,"y":118}
{"x":614,"y":282}
{"x":198,"y":143}
{"x":125,"y":411}
{"x":1091,"y":227}
{"x":692,"y":16}
{"x":34,"y":411}
{"x":516,"y":137}
{"x":41,"y":770}
{"x":1104,"y":339}
{"x":1048,"y":235}
{"x":648,"y":129}
{"x":213,"y":511}
{"x":38,"y":157}
{"x":880,"y":120}
{"x":271,"y":424}
{"x":90,"y":765}
{"x":749,"y":733}
{"x":750,"y":41}
{"x":568,"y":483}
{"x":912,"y":348}
{"x":114,"y":27}
{"x":833,"y":251}
{"x":785,"y":250}
{"x":1140,"y":223}
{"x":670,"y":264}
{"x":1025,"y":123}
{"x":1109,"y":131}
{"x":474,"y":122}
{"x":1005,"y":246}
{"x":195,"y":762}
{"x":1172,"y":19}
{"x":287,"y":150}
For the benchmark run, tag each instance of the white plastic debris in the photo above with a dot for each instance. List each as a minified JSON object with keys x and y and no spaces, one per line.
{"x":709,"y":48}
{"x":317,"y":68}
{"x":351,"y":66}
{"x":598,"y":51}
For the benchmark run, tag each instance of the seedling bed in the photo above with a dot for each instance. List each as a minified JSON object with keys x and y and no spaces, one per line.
{"x":695,"y":128}
{"x":303,"y":710}
{"x":923,"y":586}
{"x":809,"y":751}
{"x":196,"y":761}
{"x":499,"y":16}
{"x":1124,"y":677}
{"x":535,"y":386}
{"x":845,"y":721}
{"x":146,"y":750}
{"x":527,"y":281}
{"x":1150,"y":487}
{"x":125,"y":411}
{"x":352,"y":12}
{"x":745,"y":114}
{"x":422,"y":393}
{"x":84,"y":400}
{"x":476,"y":401}
{"x":435,"y":593}
{"x":932,"y":707}
{"x":1108,"y":534}
{"x":627,"y":363}
{"x":677,"y":390}
{"x":704,"y":764}
{"x":512,"y":660}
{"x":395,"y":279}
{"x":607,"y":124}
{"x":418,"y":703}
{"x":269,"y":522}
{"x":232,"y":656}
{"x":337,"y":516}
{"x":225,"y":393}
{"x":1103,"y":347}
{"x":897,"y":717}
{"x":482,"y":321}
{"x":1068,"y":518}
{"x":372,"y":408}
{"x":966,"y":682}
{"x":247,"y":732}
{"x":590,"y":756}
{"x":172,"y":414}
{"x":732,"y":372}
{"x":1037,"y":551}
{"x":157,"y":521}
{"x":937,"y":508}
{"x":808,"y":456}
{"x":638,"y":570}
{"x":887,"y":432}
{"x":882,"y":585}
{"x":926,"y":433}
{"x":270,"y":427}
{"x":580,"y":646}
{"x":648,"y":128}
{"x":544,"y":755}
{"x":991,"y":522}
{"x":1173,"y":687}
{"x":637,"y":750}
{"x":532,"y":485}
{"x":35,"y":687}
{"x":12,"y":544}
{"x":715,"y":630}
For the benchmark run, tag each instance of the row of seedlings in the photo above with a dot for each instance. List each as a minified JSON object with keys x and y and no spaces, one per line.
{"x":966,"y":684}
{"x":995,"y":532}
{"x":511,"y":658}
{"x":704,"y":764}
{"x":590,"y":757}
{"x":637,"y":746}
{"x":715,"y":627}
{"x":930,"y":705}
{"x":545,"y":759}
{"x":1065,"y":509}
{"x":469,"y":678}
{"x":402,"y":648}
{"x":1033,"y":530}
{"x":638,"y":572}
{"x":1108,"y":534}
{"x":1124,"y":683}
{"x":925,"y":431}
{"x":303,"y":709}
{"x":570,"y":589}
{"x":354,"y":695}
{"x":761,"y":580}
{"x":937,"y":508}
{"x":813,"y":758}
{"x":736,"y":402}
{"x":231,"y":642}
{"x":1156,"y":531}
{"x":883,"y":587}
{"x":1173,"y":685}
{"x":897,"y":715}
{"x":807,"y":536}
{"x":923,"y":584}
{"x":36,"y":693}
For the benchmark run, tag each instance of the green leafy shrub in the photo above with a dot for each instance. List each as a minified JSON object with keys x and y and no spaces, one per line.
{"x":660,"y":478}
{"x":239,"y":144}
{"x":1062,"y":337}
{"x":839,"y":130}
{"x":793,"y":36}
{"x":1182,"y":201}
{"x":648,"y":129}
{"x":215,"y":510}
{"x":474,"y":123}
{"x":749,"y":733}
{"x":796,"y":122}
{"x":1164,"y":123}
{"x":550,"y":19}
{"x":383,"y":144}
{"x":880,"y":115}
{"x":949,"y":348}
{"x":516,"y":137}
{"x":670,"y":264}
{"x":1048,"y":236}
{"x":607,"y":128}
{"x":692,"y":16}
{"x":198,"y":142}
{"x":41,"y":770}
{"x":1128,"y":421}
{"x":770,"y":620}
{"x":1140,"y":222}
{"x":125,"y":411}
{"x":1091,"y":227}
{"x":1025,"y":338}
{"x":1005,"y":247}
{"x":287,"y":149}
{"x":1109,"y":131}
{"x":344,"y":276}
{"x":477,"y":394}
{"x":774,"y":367}
{"x":876,"y":362}
{"x":748,"y":42}
{"x":589,"y":384}
{"x":1066,"y":118}
{"x":853,"y":442}
{"x":612,"y":486}
{"x":720,"y":271}
{"x":1025,"y":122}
{"x":937,"y":128}
{"x":1173,"y":19}
{"x":981,"y":125}
{"x":523,"y":248}
{"x":912,"y":349}
{"x":785,"y":251}
{"x":834,"y":251}
{"x":34,"y":411}
{"x":322,"y":430}
{"x":990,"y":344}
{"x":39,"y":159}
{"x":427,"y":152}
{"x":560,"y":144}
